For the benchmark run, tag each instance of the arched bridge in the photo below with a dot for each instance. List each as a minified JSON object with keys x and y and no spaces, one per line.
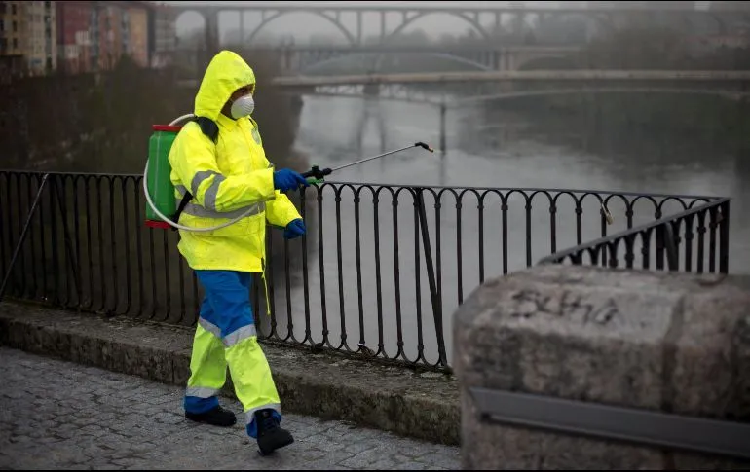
{"x":706,"y":78}
{"x":602,"y":16}
{"x":736,"y":83}
{"x":401,"y":93}
{"x":320,"y":60}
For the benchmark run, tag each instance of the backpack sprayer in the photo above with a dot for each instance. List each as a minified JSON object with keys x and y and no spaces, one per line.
{"x":161,"y":208}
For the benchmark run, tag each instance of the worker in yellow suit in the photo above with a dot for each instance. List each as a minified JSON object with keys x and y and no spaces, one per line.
{"x":219,"y":159}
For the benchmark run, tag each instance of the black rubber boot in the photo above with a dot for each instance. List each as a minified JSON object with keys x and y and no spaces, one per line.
{"x":216,"y":417}
{"x":271,"y":436}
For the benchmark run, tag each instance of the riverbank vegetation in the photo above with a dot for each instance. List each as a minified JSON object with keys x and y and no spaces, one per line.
{"x":102,"y":122}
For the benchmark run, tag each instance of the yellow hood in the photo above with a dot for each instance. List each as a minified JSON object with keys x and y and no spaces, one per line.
{"x":226,"y":73}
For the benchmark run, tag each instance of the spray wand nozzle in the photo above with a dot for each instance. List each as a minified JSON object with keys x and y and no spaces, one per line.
{"x":316,"y":174}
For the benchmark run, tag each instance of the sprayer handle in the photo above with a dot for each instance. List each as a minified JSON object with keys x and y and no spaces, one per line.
{"x":316,"y":173}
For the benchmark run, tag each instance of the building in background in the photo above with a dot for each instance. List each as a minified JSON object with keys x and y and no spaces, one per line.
{"x":79,"y":36}
{"x":41,"y":43}
{"x":13,"y":38}
{"x":95,"y":35}
{"x":28,"y":42}
{"x":163,"y":35}
{"x":137,"y":42}
{"x":74,"y":36}
{"x":107,"y":35}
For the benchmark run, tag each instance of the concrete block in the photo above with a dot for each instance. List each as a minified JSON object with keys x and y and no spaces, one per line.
{"x":675,"y":343}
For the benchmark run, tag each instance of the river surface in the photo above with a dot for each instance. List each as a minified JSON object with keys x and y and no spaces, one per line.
{"x":511,"y":152}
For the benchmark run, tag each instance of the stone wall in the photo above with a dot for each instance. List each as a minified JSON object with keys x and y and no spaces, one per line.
{"x":654,"y":342}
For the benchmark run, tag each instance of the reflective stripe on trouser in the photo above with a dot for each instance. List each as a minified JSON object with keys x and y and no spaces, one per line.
{"x":226,"y":336}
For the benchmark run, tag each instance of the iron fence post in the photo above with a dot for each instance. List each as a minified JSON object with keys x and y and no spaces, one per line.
{"x":72,"y":256}
{"x":437,"y":311}
{"x":724,"y":237}
{"x":22,"y":237}
{"x":672,"y":256}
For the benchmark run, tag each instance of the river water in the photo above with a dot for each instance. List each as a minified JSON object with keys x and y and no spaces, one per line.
{"x":506,"y":151}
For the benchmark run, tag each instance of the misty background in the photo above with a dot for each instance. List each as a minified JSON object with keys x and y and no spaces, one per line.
{"x":360,"y":278}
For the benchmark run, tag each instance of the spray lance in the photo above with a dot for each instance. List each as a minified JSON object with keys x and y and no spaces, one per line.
{"x":316,"y":174}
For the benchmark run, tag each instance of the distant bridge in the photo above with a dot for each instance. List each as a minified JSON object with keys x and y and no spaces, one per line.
{"x":739,"y":79}
{"x":309,"y":59}
{"x":400,"y":93}
{"x":605,"y":17}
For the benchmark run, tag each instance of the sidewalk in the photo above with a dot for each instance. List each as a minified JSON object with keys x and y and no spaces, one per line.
{"x":58,"y":415}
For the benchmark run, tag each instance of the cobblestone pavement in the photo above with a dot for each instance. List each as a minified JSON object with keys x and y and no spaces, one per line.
{"x":61,"y":415}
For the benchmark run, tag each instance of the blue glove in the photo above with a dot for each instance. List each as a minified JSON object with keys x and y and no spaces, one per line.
{"x":295,"y":229}
{"x":287,"y":179}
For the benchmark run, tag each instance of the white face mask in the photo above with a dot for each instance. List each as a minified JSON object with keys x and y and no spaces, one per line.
{"x":243,"y":106}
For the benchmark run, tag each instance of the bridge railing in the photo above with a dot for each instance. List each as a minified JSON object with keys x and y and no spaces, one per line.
{"x":694,"y":240}
{"x":378,"y":274}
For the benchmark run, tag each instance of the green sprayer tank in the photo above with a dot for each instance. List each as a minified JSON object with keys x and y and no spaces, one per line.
{"x":159,"y":185}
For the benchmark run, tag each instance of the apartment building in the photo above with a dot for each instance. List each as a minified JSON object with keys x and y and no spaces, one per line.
{"x":12,"y":38}
{"x":83,"y":35}
{"x":94,"y":35}
{"x":27,"y":37}
{"x":163,"y":35}
{"x":41,"y":43}
{"x":137,"y":40}
{"x":74,"y":36}
{"x":110,"y":29}
{"x":12,"y":28}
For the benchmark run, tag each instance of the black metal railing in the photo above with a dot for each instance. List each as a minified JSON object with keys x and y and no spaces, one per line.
{"x":381,"y":264}
{"x":679,"y":239}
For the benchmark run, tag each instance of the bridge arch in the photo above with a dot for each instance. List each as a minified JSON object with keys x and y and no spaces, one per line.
{"x":380,"y":56}
{"x":195,"y":10}
{"x":198,"y":13}
{"x":349,"y":36}
{"x":407,"y":21}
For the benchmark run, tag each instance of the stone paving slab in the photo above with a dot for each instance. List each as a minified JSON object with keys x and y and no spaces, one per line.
{"x":61,"y":415}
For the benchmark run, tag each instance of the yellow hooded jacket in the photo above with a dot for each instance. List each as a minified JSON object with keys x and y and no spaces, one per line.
{"x":225,"y":178}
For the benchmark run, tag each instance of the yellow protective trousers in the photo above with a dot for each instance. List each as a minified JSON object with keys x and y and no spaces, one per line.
{"x":226,"y":337}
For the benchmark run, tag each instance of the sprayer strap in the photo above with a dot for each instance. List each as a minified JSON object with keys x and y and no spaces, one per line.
{"x":183,"y":203}
{"x":211,"y":130}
